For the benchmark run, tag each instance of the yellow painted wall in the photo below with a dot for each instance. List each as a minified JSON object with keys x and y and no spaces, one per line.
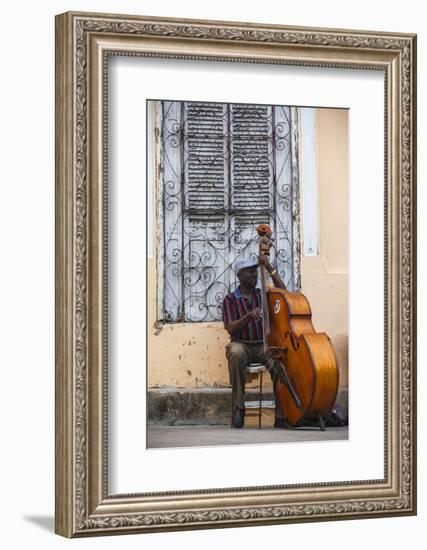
{"x":324,"y":278}
{"x":193,"y":354}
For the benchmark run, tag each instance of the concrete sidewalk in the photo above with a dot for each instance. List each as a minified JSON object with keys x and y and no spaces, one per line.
{"x":191,"y":436}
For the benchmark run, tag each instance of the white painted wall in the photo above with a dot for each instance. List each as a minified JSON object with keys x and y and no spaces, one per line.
{"x":309,"y":182}
{"x":27,"y":275}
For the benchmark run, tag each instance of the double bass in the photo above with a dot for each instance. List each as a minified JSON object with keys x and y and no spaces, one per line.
{"x":304,"y":360}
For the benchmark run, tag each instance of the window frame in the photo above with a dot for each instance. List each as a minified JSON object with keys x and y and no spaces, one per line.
{"x":294,"y":159}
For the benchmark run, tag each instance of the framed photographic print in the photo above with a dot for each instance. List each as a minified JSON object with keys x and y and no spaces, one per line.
{"x":235,"y":274}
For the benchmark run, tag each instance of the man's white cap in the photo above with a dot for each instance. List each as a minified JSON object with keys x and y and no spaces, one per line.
{"x":243,"y":263}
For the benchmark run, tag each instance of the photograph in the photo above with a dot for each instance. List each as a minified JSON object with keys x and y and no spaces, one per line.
{"x":247,"y":282}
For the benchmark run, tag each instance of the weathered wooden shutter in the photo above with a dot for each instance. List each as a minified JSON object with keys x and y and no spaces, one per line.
{"x":205,"y":143}
{"x":251,"y":182}
{"x":205,"y":216}
{"x":252,"y":175}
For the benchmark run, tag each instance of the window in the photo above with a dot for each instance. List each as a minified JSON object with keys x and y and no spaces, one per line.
{"x":224,"y":169}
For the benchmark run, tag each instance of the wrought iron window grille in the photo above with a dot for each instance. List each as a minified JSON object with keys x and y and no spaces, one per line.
{"x":224,"y":168}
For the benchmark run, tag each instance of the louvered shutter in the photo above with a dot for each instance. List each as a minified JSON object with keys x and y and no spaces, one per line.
{"x":252,"y":175}
{"x":205,"y":221}
{"x":251,"y":181}
{"x":205,"y":145}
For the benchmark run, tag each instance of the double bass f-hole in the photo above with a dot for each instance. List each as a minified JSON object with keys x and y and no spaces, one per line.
{"x":294,"y":341}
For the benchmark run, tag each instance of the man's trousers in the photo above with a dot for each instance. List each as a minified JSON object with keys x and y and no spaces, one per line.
{"x":239,"y":355}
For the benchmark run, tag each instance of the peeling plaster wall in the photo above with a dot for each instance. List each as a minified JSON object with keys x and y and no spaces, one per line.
{"x":184,"y":354}
{"x":193,"y":354}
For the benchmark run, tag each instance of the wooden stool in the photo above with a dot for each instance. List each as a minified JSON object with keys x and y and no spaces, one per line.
{"x":253,"y":370}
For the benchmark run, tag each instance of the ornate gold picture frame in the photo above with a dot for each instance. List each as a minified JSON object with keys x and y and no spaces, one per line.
{"x":84,"y":43}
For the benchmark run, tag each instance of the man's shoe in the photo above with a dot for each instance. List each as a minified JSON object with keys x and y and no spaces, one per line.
{"x":282,"y":424}
{"x":238,"y":418}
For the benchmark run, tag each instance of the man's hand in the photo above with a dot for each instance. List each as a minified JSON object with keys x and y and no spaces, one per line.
{"x":256,"y":314}
{"x":264,"y":260}
{"x":234,"y":327}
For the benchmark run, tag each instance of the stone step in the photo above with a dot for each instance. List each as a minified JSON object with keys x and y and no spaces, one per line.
{"x":184,"y":406}
{"x":208,"y":405}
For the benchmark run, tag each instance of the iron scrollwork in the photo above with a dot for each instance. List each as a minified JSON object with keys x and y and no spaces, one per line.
{"x":225,"y":169}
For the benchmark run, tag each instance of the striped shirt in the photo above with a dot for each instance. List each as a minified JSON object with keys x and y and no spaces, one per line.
{"x":235,"y":306}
